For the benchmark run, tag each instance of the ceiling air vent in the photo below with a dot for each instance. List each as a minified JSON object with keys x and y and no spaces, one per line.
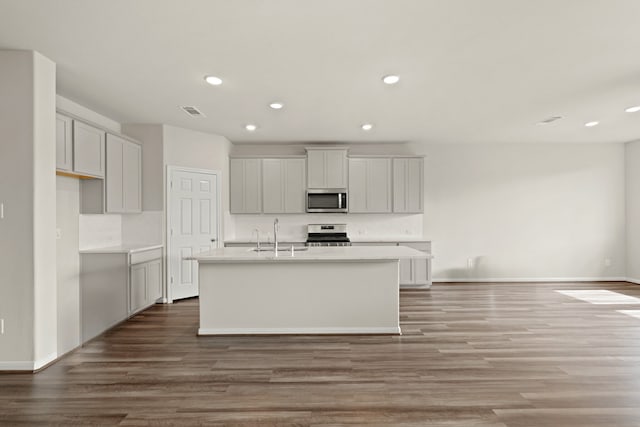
{"x":549,"y":120}
{"x":192,"y":111}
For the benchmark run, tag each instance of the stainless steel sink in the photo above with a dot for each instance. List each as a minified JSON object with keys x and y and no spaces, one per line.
{"x":280,"y":249}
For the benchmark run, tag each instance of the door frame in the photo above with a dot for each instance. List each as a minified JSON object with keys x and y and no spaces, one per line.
{"x":167,"y":230}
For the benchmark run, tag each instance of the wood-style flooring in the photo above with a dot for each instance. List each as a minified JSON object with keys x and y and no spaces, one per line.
{"x":480,"y":355}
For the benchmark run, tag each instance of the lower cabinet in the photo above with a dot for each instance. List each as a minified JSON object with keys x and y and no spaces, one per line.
{"x":414,"y":272}
{"x":114,"y":286}
{"x":145,"y":285}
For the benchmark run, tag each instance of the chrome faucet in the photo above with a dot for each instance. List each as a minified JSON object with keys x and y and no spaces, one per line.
{"x":275,"y":236}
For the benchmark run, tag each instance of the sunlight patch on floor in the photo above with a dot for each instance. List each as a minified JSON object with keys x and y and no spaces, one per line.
{"x":632,"y":313}
{"x":601,"y":296}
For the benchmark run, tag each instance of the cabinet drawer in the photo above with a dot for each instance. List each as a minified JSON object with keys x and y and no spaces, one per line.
{"x":144,"y":256}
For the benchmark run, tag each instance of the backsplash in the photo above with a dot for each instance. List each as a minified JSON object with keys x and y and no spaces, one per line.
{"x":98,"y":231}
{"x":145,"y":227}
{"x":363,"y":226}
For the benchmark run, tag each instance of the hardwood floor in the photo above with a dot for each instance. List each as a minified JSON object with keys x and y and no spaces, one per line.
{"x":471,"y":355}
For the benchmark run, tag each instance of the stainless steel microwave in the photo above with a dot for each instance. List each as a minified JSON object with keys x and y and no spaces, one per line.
{"x":323,"y":200}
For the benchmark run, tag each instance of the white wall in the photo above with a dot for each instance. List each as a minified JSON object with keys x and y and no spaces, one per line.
{"x":27,"y":189}
{"x":68,"y":106}
{"x":632,"y":157}
{"x":44,"y":220}
{"x":68,"y":263}
{"x":192,"y":149}
{"x":536,"y":211}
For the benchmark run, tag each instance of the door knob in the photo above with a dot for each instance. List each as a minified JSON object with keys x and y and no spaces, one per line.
{"x":213,"y":240}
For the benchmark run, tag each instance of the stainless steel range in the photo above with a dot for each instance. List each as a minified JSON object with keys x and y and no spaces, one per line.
{"x":327,"y":235}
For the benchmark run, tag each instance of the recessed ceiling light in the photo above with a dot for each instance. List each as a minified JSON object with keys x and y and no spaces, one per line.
{"x":251,"y":128}
{"x":276,"y":105}
{"x":634,"y":109}
{"x":391,"y":79}
{"x":213,"y":80}
{"x":367,"y":126}
{"x":591,"y":124}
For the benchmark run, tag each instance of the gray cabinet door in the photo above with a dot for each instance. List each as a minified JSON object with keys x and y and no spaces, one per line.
{"x":132,"y":177}
{"x":294,"y":185}
{"x":123,"y":179}
{"x":357,"y":185}
{"x":379,"y":185}
{"x":154,"y":281}
{"x":327,"y":168}
{"x":273,"y":179}
{"x":245,"y":185}
{"x":316,"y":169}
{"x":369,"y":185}
{"x":64,"y":143}
{"x":88,"y":149}
{"x":336,"y":168}
{"x":406,"y":272}
{"x":114,"y":176}
{"x":408,"y":185}
{"x":283,"y":185}
{"x":138,"y":288}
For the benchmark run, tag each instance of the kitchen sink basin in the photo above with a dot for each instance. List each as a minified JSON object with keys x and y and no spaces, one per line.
{"x":281,"y":249}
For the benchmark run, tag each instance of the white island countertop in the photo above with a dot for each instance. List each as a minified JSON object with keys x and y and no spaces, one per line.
{"x":341,"y":253}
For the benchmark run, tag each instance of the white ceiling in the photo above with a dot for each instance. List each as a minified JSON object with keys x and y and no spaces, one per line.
{"x":472,"y":71}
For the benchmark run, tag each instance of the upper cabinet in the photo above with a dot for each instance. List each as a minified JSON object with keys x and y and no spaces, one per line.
{"x":124,"y":176}
{"x":408,"y":185}
{"x":88,"y":150}
{"x":245,"y":185}
{"x":326,"y":167}
{"x":64,"y":143}
{"x":79,"y":147}
{"x":369,"y":185}
{"x":283,"y":185}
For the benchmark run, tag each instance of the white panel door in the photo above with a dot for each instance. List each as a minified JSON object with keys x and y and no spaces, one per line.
{"x":193,"y":227}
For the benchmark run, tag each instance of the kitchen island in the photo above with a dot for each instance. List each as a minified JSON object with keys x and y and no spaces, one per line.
{"x":319,"y":290}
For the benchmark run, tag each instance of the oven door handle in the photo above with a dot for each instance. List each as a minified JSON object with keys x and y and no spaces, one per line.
{"x":339,"y":201}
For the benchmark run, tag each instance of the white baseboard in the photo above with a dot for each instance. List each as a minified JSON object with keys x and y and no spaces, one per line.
{"x":536,"y":279}
{"x":28,"y":365}
{"x":632,"y":280}
{"x":44,"y":361}
{"x":297,"y":331}
{"x":16,"y":366}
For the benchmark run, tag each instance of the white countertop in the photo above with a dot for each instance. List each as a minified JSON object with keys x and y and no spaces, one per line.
{"x":398,"y":239}
{"x":344,"y":253}
{"x":122,"y":249}
{"x":356,"y":239}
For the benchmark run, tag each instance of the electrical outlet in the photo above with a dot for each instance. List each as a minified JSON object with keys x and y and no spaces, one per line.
{"x":607,"y":262}
{"x":1,"y":326}
{"x":469,"y":262}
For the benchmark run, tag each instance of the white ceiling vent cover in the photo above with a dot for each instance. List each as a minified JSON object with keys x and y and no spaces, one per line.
{"x":549,"y":120}
{"x":192,"y":111}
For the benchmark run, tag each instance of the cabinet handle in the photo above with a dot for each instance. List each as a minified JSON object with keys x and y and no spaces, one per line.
{"x":213,"y":240}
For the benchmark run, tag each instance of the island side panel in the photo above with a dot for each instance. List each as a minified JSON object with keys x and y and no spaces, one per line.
{"x":348,"y":297}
